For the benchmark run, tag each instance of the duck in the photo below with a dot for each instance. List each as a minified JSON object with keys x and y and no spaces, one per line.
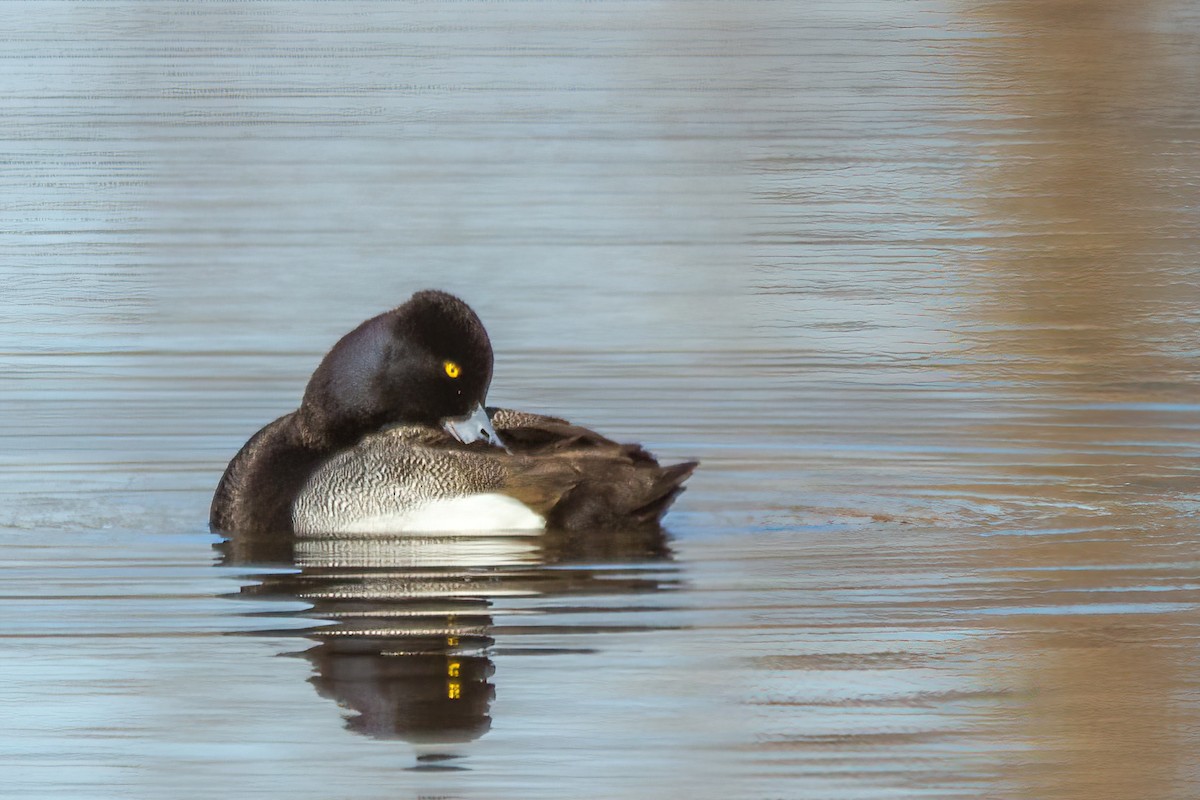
{"x":393,"y":435}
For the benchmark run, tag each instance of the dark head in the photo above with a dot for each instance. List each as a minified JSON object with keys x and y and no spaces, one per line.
{"x":424,"y":362}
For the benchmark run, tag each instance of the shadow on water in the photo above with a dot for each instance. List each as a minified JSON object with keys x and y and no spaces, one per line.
{"x":410,"y":625}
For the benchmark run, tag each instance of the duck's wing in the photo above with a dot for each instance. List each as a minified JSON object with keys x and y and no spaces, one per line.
{"x":538,"y":434}
{"x":609,"y":484}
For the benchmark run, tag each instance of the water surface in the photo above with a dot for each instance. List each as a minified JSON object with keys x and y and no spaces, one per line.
{"x":916,"y":282}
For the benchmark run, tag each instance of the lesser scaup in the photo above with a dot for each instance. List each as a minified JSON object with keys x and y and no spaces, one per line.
{"x":393,"y":435}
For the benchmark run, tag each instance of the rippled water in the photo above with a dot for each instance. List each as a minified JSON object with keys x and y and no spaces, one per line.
{"x":916,"y":281}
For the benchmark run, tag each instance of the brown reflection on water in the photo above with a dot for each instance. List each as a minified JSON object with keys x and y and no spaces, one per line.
{"x":1087,"y":269}
{"x":1104,"y":722}
{"x":1084,"y":298}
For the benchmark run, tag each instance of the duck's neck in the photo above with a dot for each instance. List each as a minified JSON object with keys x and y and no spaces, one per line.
{"x":321,"y":433}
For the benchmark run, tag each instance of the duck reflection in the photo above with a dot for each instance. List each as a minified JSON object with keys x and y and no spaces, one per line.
{"x":411,"y":621}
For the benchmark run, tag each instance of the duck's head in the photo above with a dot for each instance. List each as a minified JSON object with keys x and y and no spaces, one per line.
{"x":427,"y":362}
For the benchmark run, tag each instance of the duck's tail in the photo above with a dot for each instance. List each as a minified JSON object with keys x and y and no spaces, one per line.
{"x":662,"y":492}
{"x":614,"y":491}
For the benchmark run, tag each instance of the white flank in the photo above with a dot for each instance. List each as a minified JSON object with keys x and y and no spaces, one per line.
{"x":477,"y":513}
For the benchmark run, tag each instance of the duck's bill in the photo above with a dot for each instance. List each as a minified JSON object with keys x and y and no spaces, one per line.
{"x":474,"y":427}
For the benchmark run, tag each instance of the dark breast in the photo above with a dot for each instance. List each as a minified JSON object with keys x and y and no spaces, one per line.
{"x":256,"y":492}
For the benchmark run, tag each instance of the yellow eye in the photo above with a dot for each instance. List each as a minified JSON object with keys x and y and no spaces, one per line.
{"x":452,"y":369}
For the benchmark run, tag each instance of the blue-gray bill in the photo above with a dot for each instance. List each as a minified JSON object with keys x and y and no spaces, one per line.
{"x":474,"y":427}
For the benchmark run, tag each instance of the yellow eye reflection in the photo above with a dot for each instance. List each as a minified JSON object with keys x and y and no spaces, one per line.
{"x":452,"y":369}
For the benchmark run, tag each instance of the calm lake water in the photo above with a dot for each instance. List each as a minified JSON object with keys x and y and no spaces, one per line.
{"x":918,"y":281}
